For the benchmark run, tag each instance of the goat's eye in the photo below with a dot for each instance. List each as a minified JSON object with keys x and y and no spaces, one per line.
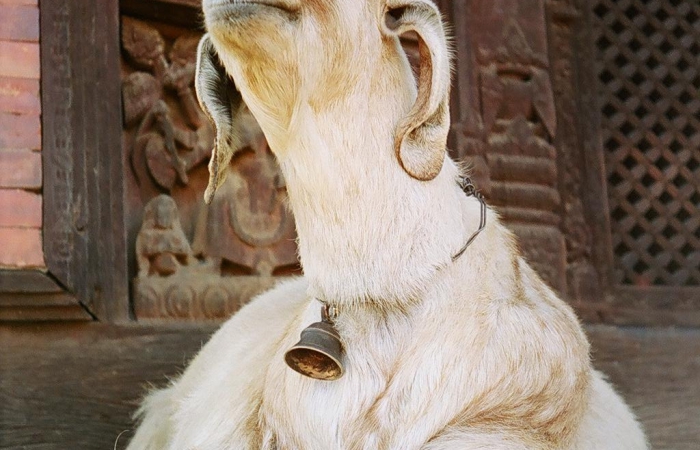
{"x":393,"y":17}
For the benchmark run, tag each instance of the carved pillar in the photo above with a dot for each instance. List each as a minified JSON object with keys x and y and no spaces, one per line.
{"x":508,"y":122}
{"x":584,"y":281}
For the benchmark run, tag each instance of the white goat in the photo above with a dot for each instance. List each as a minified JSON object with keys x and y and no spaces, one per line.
{"x":476,"y":353}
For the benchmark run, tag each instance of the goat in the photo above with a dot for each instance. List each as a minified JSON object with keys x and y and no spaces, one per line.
{"x":471,"y":353}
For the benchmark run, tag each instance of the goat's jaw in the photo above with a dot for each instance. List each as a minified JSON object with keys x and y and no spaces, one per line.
{"x":253,"y":42}
{"x":231,"y":11}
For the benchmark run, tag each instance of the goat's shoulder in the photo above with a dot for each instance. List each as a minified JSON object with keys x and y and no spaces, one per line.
{"x":259,"y":325}
{"x":537,"y":355}
{"x":519,"y":356}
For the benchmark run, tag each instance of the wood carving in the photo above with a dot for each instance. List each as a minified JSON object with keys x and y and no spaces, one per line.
{"x":194,"y":261}
{"x":583,"y":279}
{"x":166,"y":148}
{"x":161,"y":246}
{"x":511,"y":146}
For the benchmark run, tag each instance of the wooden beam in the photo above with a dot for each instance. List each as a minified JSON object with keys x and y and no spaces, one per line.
{"x":27,"y":282}
{"x":185,"y":13}
{"x":657,"y":306}
{"x":81,"y":383}
{"x":45,"y":313}
{"x":85,"y":244}
{"x":33,"y":295}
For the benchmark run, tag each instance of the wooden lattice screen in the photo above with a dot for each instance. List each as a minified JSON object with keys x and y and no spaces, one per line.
{"x":649,"y":80}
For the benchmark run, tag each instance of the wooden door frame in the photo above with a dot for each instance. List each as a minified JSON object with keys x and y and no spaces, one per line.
{"x":84,"y":237}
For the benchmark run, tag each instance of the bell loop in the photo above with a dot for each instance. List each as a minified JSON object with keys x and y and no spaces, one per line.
{"x":465,"y":183}
{"x":329,"y":313}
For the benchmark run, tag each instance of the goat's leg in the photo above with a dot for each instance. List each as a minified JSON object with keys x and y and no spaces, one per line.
{"x":156,"y":427}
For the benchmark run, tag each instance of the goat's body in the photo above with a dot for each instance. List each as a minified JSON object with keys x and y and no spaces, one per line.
{"x":473,"y":354}
{"x":459,"y":373}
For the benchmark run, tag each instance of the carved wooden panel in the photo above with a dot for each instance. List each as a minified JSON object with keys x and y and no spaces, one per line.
{"x":505,"y":122}
{"x":648,"y":80}
{"x":193,"y":261}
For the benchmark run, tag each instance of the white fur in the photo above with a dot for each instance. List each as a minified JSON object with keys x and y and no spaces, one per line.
{"x":473,"y":354}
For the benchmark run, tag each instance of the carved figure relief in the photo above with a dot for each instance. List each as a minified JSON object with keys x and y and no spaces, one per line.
{"x":248,"y":227}
{"x":194,"y":261}
{"x":161,"y":246}
{"x":165,"y":148}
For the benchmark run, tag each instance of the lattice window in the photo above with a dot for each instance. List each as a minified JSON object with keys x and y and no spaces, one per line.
{"x":649,"y":84}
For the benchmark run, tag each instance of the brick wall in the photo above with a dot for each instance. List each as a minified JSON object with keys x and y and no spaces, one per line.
{"x":20,"y":135}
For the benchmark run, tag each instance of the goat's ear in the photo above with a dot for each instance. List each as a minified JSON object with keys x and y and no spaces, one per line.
{"x":421,"y":137}
{"x":221,"y":101}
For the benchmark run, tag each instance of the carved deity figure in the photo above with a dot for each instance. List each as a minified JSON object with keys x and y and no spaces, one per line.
{"x":161,"y":246}
{"x":166,"y":147}
{"x":247,"y":230}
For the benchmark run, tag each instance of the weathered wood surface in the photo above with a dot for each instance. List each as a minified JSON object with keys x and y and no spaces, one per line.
{"x":658,"y":372}
{"x":33,"y":295}
{"x":85,"y":244}
{"x":75,"y":386}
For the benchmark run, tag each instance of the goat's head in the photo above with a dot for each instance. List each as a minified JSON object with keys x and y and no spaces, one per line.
{"x":284,"y":53}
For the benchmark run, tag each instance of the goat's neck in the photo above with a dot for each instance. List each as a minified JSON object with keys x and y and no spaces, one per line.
{"x":368,"y":232}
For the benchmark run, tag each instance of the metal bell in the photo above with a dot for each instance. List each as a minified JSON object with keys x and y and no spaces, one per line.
{"x":319,"y":352}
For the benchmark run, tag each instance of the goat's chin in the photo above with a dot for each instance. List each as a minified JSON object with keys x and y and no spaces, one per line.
{"x":237,"y":13}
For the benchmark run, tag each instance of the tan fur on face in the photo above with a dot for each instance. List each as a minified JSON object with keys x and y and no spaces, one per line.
{"x":473,"y":354}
